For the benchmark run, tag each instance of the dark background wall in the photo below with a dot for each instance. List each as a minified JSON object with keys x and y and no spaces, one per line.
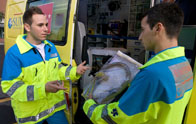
{"x":1,"y":57}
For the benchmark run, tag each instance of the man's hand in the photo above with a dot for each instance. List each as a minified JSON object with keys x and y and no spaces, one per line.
{"x":81,"y":69}
{"x":54,"y":86}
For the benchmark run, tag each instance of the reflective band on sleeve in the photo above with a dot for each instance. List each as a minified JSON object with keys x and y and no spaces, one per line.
{"x":60,"y":65}
{"x":42,"y":114}
{"x":14,"y":87}
{"x":30,"y":93}
{"x":106,"y":117}
{"x":68,"y":71}
{"x":91,"y":109}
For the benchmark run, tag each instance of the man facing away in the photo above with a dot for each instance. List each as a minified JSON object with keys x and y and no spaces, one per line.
{"x":161,"y":90}
{"x":32,"y":74}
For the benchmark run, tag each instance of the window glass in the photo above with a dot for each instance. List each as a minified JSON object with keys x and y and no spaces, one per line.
{"x":56,"y":12}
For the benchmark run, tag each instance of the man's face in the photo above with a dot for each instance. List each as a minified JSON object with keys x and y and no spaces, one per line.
{"x":147,"y":35}
{"x":38,"y":29}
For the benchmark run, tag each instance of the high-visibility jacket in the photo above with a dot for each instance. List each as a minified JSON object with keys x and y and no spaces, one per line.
{"x":24,"y":76}
{"x":158,"y":94}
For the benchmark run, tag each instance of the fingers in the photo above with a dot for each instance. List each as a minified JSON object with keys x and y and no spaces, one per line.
{"x":54,"y":86}
{"x":85,"y":68}
{"x":58,"y":87}
{"x":62,"y":84}
{"x":81,"y":69}
{"x":83,"y":63}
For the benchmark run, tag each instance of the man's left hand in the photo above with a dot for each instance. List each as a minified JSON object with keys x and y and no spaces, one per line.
{"x":81,"y":69}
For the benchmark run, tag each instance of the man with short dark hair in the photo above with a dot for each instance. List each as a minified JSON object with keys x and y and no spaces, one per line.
{"x":33,"y":73}
{"x":161,"y":90}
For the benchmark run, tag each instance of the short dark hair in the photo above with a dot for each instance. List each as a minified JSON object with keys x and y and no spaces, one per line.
{"x":27,"y":17}
{"x":169,"y":14}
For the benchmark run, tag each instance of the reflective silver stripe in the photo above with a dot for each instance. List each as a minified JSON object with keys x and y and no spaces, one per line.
{"x":91,"y":109}
{"x":30,"y":93}
{"x":68,"y":71}
{"x":183,"y":77}
{"x":105,"y":115}
{"x":14,"y":87}
{"x":60,"y":65}
{"x":42,"y":114}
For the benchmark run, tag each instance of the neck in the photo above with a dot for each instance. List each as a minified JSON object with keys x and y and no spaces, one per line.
{"x":166,"y":43}
{"x":32,"y":40}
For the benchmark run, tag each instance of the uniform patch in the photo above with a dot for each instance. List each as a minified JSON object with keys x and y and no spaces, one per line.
{"x":114,"y":112}
{"x":53,"y":55}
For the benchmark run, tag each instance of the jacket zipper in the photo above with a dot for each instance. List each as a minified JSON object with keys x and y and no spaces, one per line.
{"x":40,"y":54}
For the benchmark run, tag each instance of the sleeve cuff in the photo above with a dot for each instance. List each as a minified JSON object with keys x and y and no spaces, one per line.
{"x":73,"y":74}
{"x":88,"y":104}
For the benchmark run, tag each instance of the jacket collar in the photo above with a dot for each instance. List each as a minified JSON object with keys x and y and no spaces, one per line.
{"x":167,"y":54}
{"x":24,"y":46}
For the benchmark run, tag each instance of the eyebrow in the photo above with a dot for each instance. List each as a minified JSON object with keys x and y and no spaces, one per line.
{"x":42,"y":24}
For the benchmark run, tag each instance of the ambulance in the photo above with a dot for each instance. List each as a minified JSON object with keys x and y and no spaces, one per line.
{"x":92,"y":30}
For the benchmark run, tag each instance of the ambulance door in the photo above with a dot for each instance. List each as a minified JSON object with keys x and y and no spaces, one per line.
{"x":188,"y":36}
{"x":13,"y":21}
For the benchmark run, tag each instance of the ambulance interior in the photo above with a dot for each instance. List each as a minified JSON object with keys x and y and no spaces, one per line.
{"x":107,"y":26}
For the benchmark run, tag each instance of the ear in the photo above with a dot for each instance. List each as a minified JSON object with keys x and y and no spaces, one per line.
{"x":158,"y":27}
{"x":27,"y":27}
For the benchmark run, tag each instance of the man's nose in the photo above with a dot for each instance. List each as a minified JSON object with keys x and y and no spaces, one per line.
{"x":45,"y":28}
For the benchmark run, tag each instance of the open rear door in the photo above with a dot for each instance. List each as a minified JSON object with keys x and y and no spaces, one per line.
{"x":13,"y":21}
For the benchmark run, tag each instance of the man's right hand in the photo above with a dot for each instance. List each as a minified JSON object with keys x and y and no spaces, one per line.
{"x":54,"y":86}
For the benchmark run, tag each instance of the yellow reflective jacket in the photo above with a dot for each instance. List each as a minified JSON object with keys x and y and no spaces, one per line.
{"x":24,"y":76}
{"x":158,"y":94}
